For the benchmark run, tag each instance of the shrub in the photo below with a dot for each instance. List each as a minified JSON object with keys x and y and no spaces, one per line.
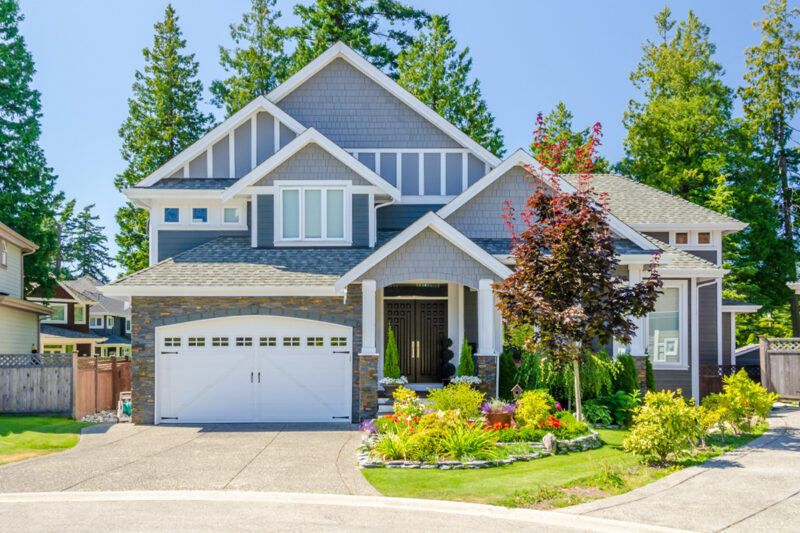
{"x":753,"y":399}
{"x":457,"y":396}
{"x":465,"y":365}
{"x":395,"y":445}
{"x":627,"y":377}
{"x":623,"y":406}
{"x":391,"y":362}
{"x":596,"y":412}
{"x":649,"y":375}
{"x":407,"y":404}
{"x":534,"y":407}
{"x":465,"y":442}
{"x":664,"y":425}
{"x":508,"y":373}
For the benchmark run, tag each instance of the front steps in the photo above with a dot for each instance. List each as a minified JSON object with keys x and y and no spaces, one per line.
{"x":386,"y":403}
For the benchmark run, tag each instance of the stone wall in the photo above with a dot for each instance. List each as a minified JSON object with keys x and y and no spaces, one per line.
{"x":487,"y":371}
{"x":151,"y":312}
{"x":368,"y":386}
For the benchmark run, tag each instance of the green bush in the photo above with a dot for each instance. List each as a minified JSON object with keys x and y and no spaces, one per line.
{"x":596,"y":412}
{"x":649,"y":375}
{"x":407,"y":403}
{"x":666,"y":424}
{"x":533,"y":407}
{"x":465,"y":442}
{"x":627,"y":377}
{"x":458,"y":396}
{"x":465,"y":365}
{"x":753,"y":400}
{"x":391,"y":362}
{"x":508,"y":373}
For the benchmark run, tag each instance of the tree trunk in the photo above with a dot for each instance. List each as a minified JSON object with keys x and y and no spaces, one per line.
{"x":788,"y":226}
{"x":577,"y":380}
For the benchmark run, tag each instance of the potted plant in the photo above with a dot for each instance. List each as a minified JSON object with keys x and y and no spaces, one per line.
{"x":392,"y":378}
{"x":498,"y":411}
{"x":466,"y":368}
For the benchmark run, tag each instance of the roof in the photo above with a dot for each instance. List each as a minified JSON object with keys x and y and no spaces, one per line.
{"x":639,"y":204}
{"x":55,"y":331}
{"x":194,"y":183}
{"x":681,"y":260}
{"x":111,"y":338}
{"x":88,"y":286}
{"x":24,"y":305}
{"x":17,"y":239}
{"x":735,"y":306}
{"x":503,"y":246}
{"x":81,"y":292}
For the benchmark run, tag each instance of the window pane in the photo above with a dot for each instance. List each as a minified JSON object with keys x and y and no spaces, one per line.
{"x":199,"y":214}
{"x":703,"y":238}
{"x":171,"y":214}
{"x":664,"y":326}
{"x":291,"y":214}
{"x":58,"y":312}
{"x":79,"y":319}
{"x":313,"y":213}
{"x":681,"y":238}
{"x":335,"y":214}
{"x":231,"y":215}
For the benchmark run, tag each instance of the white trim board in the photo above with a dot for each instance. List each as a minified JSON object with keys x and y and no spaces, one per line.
{"x":436,"y":223}
{"x":341,"y":50}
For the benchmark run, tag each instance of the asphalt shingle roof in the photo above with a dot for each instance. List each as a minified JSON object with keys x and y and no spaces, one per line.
{"x":87,"y":286}
{"x":637,"y":203}
{"x":680,"y":259}
{"x":56,"y":331}
{"x":503,"y":246}
{"x":193,"y":183}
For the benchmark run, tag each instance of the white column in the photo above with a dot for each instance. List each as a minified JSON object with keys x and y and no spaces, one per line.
{"x":486,"y":318}
{"x":453,"y":324}
{"x":695,"y":326}
{"x":368,"y":346}
{"x":638,"y":343}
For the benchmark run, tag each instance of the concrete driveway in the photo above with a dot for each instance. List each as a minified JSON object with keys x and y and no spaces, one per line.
{"x":253,"y":457}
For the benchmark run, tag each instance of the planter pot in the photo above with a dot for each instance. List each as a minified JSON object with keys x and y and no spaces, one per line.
{"x":494,"y":418}
{"x":389,"y":390}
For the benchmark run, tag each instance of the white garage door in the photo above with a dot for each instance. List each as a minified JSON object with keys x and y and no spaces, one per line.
{"x":254,"y":369}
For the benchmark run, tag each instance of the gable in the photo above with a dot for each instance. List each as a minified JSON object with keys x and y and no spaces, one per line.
{"x":355,"y":112}
{"x":312,"y":163}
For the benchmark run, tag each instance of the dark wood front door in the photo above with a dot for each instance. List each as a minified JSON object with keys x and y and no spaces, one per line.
{"x":419,"y":327}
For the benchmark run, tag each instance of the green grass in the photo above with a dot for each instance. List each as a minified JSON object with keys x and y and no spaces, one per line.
{"x":547,"y":483}
{"x":24,"y":437}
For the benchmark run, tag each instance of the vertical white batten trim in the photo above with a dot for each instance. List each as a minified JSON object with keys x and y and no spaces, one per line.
{"x":186,"y":170}
{"x":373,"y":219}
{"x":638,"y":342}
{"x":464,"y":172}
{"x":210,"y":162}
{"x":485,"y":318}
{"x":379,"y":330}
{"x":153,"y":249}
{"x":399,"y":171}
{"x":719,"y":322}
{"x":253,"y":142}
{"x":452,"y":313}
{"x":695,"y":370}
{"x":368,"y":317}
{"x":254,"y":220}
{"x":442,"y":173}
{"x":733,"y":338}
{"x":231,"y":155}
{"x":276,"y":133}
{"x":378,"y":164}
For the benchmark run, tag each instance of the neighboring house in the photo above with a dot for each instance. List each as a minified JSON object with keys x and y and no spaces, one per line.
{"x":286,"y":241}
{"x":19,"y":318}
{"x":109,"y":318}
{"x":67,"y":329}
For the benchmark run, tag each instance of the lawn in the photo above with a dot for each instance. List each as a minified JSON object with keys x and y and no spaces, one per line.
{"x":24,"y":437}
{"x":546,"y":483}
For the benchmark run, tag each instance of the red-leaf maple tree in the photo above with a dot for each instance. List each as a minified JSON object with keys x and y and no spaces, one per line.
{"x":565,"y":283}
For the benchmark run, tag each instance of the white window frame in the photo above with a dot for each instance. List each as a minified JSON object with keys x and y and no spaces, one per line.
{"x":127,"y":325}
{"x":683,"y":324}
{"x":164,"y":215}
{"x":3,"y":254}
{"x":192,"y":220}
{"x":74,"y":319}
{"x":109,"y":322}
{"x":238,"y":211}
{"x":302,"y":186}
{"x":96,"y":321}
{"x":693,"y":238}
{"x":54,"y":305}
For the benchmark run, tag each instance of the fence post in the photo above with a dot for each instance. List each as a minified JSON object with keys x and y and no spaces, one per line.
{"x":763,"y":354}
{"x":96,"y":360}
{"x":114,"y":381}
{"x":75,"y":385}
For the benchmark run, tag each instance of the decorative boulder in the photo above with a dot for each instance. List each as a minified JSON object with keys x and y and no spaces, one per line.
{"x":550,"y":442}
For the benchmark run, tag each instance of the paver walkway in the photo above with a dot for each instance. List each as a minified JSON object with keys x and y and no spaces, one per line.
{"x":754,"y":488}
{"x":252,"y":457}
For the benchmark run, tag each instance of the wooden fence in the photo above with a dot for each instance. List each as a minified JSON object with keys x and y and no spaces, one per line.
{"x":61,"y":383}
{"x":711,"y":376}
{"x":780,"y":366}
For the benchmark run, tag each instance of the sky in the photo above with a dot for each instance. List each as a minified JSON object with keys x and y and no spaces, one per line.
{"x":527,"y":54}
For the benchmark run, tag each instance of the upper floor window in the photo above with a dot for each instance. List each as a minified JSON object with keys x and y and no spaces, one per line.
{"x":682,"y":238}
{"x":109,"y":322}
{"x":199,"y":215}
{"x":3,"y":254}
{"x":230,"y":215}
{"x":172,"y":215}
{"x":312,"y":213}
{"x":59,"y":315}
{"x":127,"y":325}
{"x":79,"y":314}
{"x":704,"y":237}
{"x":96,"y":322}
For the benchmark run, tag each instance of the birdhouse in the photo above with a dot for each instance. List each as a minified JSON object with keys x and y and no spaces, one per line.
{"x":516,"y":390}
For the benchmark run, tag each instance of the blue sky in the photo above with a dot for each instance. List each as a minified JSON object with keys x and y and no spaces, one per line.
{"x":528,"y":54}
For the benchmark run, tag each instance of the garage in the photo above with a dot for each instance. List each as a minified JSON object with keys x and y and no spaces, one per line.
{"x":253,"y":369}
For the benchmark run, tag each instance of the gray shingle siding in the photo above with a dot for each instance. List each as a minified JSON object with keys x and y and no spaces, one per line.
{"x":361,"y":220}
{"x":220,"y":153}
{"x":265,"y":136}
{"x":708,"y":313}
{"x":265,"y":221}
{"x":241,"y":149}
{"x":312,"y":163}
{"x":428,"y":255}
{"x":173,"y":242}
{"x":286,"y":135}
{"x":400,"y":216}
{"x":355,"y":112}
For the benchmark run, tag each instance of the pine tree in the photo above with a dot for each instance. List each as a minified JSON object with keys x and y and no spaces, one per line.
{"x":466,"y":367}
{"x":257,"y":64}
{"x":163,"y":119}
{"x":65,"y":227}
{"x":771,"y":100}
{"x":391,"y":361}
{"x":559,"y":130}
{"x":375,"y":28}
{"x":89,"y":249}
{"x":677,"y":137}
{"x":28,"y":192}
{"x":435,"y":71}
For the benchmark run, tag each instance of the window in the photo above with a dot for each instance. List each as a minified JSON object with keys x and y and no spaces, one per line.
{"x":704,"y":237}
{"x":338,"y":341}
{"x":196,"y":342}
{"x":219,"y":341}
{"x":3,"y":254}
{"x":267,"y":341}
{"x":312,"y":214}
{"x":79,"y":314}
{"x":665,"y":327}
{"x":95,"y":322}
{"x":199,"y":215}
{"x":109,"y":322}
{"x":59,"y":315}
{"x":244,"y":341}
{"x":682,"y":238}
{"x":52,"y":348}
{"x":127,"y":325}
{"x":315,"y":341}
{"x":291,"y":341}
{"x":172,"y":215}
{"x":172,"y":341}
{"x":69,"y":348}
{"x":97,"y":350}
{"x":230,"y":215}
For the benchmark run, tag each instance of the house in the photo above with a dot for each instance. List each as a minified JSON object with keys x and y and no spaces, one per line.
{"x":67,"y":330}
{"x":19,"y":318}
{"x":286,"y":241}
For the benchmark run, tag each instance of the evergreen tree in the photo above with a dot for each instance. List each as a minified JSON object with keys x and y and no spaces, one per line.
{"x":28,"y":192}
{"x":257,"y":64}
{"x":466,"y":367}
{"x":375,"y":28}
{"x":771,"y":99}
{"x":559,"y":130}
{"x":163,"y":119}
{"x":677,"y":138}
{"x":391,"y":361}
{"x":65,"y":227}
{"x":435,"y":71}
{"x":89,"y":249}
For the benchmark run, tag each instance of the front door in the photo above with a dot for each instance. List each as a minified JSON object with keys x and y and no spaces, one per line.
{"x":419,"y":327}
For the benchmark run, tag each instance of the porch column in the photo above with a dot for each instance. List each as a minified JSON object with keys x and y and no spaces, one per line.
{"x":487,"y":356}
{"x":638,"y":343}
{"x":368,"y":345}
{"x":368,"y":357}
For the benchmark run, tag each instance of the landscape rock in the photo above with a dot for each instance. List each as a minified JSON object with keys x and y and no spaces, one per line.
{"x":550,"y":442}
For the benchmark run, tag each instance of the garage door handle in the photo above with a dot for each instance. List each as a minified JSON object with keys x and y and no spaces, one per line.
{"x":251,"y":377}
{"x":341,"y":351}
{"x":259,"y":377}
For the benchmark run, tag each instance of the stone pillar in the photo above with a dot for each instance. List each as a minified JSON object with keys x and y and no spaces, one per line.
{"x":487,"y":371}
{"x":368,"y":344}
{"x":367,"y":386}
{"x":641,"y":372}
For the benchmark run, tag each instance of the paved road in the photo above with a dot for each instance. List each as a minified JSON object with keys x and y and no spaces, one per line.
{"x":754,"y":488}
{"x":257,"y":511}
{"x":261,"y":457}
